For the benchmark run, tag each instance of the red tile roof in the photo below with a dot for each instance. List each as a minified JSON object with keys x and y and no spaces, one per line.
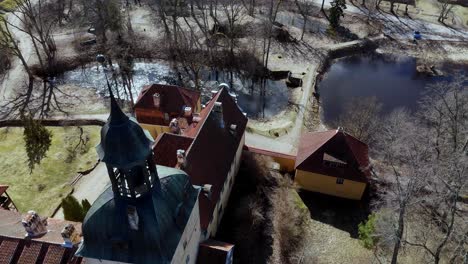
{"x":211,"y":154}
{"x":193,"y":129}
{"x":340,"y":145}
{"x":166,"y":146}
{"x":14,"y":248}
{"x":173,"y":98}
{"x":30,"y":253}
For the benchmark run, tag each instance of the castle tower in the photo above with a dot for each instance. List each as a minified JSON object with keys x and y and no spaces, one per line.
{"x":126,"y":149}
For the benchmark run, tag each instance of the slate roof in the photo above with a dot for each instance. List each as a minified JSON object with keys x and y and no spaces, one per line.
{"x":14,"y":248}
{"x":166,"y":146}
{"x":211,"y":154}
{"x":173,"y":98}
{"x":340,"y":145}
{"x":126,"y":153}
{"x":163,"y":216}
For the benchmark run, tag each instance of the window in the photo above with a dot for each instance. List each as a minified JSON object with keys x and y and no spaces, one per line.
{"x":220,"y":210}
{"x":339,"y":180}
{"x":333,"y":162}
{"x":187,"y":260}
{"x":185,"y":244}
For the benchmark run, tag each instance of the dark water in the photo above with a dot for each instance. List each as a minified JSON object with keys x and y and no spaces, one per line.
{"x":250,"y":98}
{"x":393,"y":81}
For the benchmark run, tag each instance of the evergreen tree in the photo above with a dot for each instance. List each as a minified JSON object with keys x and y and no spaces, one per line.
{"x":37,"y":140}
{"x":72,"y":209}
{"x":336,"y":12}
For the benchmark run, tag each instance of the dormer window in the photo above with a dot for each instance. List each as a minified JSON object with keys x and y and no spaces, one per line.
{"x":157,"y":100}
{"x":333,"y":162}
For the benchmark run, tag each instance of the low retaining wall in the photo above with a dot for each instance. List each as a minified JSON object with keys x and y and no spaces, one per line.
{"x":285,"y":161}
{"x":55,"y":122}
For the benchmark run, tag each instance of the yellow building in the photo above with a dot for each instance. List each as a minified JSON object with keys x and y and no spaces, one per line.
{"x":334,"y":163}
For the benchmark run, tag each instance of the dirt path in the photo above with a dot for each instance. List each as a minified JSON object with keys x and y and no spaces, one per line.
{"x":288,"y":143}
{"x":16,"y":76}
{"x":89,"y":186}
{"x":402,"y":28}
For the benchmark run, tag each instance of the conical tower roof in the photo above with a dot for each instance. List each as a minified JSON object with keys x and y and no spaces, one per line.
{"x":123,"y":142}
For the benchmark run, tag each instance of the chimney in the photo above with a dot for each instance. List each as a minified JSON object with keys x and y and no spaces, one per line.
{"x":34,"y":224}
{"x":174,"y":126}
{"x":196,"y":118}
{"x":233,"y":129}
{"x":157,"y":100}
{"x":187,"y":111}
{"x":132,"y":216}
{"x":181,"y":160}
{"x":218,"y":113}
{"x":206,"y":189}
{"x":70,"y":236}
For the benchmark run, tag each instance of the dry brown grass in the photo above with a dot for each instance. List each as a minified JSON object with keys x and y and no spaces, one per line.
{"x":265,"y":218}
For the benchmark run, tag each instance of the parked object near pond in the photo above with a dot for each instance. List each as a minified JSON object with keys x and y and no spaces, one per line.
{"x":417,"y":35}
{"x":334,"y":163}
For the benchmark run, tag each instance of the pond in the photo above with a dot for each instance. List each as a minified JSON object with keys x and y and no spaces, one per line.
{"x":250,"y":98}
{"x":394,"y":82}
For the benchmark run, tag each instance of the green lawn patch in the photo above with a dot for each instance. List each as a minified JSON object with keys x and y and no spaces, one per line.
{"x":7,"y":5}
{"x":44,"y":189}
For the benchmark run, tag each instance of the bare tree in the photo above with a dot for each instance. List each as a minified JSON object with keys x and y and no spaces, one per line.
{"x":305,"y":8}
{"x":445,"y":110}
{"x":103,"y":15}
{"x":361,"y":118}
{"x":445,"y":10}
{"x":404,"y":149}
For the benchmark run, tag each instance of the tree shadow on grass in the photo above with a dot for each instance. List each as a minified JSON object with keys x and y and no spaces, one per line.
{"x":340,"y":213}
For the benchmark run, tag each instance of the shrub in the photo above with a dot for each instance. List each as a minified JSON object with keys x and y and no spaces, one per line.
{"x":73,"y":210}
{"x":85,"y":206}
{"x":367,"y":232}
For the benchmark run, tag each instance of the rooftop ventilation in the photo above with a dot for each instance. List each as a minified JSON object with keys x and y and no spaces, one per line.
{"x":213,"y":93}
{"x":34,"y":225}
{"x":187,"y":111}
{"x":174,"y":126}
{"x":70,"y":236}
{"x":339,"y":129}
{"x":218,"y":112}
{"x":181,"y":159}
{"x":206,"y":189}
{"x":233,"y":129}
{"x":157,"y":100}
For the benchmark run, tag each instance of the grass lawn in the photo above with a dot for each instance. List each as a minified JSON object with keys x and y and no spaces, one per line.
{"x":43,"y":189}
{"x":7,"y":5}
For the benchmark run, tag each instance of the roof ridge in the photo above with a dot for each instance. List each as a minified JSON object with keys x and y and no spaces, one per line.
{"x":320,"y":146}
{"x":210,"y":105}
